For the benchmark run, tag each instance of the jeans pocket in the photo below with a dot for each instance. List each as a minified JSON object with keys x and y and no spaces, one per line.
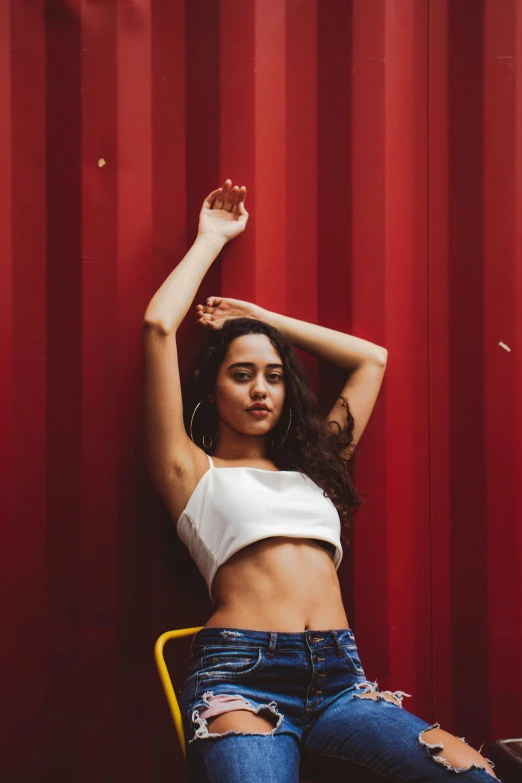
{"x":351,"y":656}
{"x":224,"y":662}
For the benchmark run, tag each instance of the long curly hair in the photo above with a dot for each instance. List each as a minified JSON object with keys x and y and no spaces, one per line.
{"x":310,"y":447}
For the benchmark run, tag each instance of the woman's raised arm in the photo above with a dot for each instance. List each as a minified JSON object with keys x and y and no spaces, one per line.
{"x":168,"y":449}
{"x":220,"y":220}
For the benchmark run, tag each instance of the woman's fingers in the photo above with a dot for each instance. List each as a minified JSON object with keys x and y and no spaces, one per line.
{"x":210,"y":198}
{"x":240,"y":199}
{"x":204,"y":308}
{"x":202,"y":317}
{"x":230,"y":199}
{"x":205,"y":313}
{"x":220,"y":193}
{"x":226,"y":195}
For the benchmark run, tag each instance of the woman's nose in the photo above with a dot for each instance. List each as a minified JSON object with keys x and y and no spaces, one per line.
{"x":259,"y":389}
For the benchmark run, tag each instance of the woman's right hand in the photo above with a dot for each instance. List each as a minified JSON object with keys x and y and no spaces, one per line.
{"x":218,"y":310}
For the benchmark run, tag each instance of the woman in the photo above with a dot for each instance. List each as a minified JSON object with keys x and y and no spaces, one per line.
{"x":276,"y":667}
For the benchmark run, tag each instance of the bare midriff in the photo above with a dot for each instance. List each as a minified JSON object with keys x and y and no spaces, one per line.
{"x":279,"y":584}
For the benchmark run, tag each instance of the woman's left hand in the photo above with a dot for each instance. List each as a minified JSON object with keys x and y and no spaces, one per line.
{"x":221,"y":215}
{"x":219,"y":309}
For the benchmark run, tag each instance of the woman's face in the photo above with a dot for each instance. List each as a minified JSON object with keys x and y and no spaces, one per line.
{"x":251,"y":372}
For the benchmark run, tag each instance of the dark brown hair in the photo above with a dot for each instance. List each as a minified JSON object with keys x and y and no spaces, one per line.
{"x":310,"y":447}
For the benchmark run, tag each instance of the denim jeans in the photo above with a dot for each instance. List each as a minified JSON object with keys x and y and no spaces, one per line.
{"x":311,"y":686}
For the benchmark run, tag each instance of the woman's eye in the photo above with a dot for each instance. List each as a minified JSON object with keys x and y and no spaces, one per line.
{"x":274,"y":375}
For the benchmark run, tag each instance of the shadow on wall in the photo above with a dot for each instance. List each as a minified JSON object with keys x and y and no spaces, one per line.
{"x":178,"y":566}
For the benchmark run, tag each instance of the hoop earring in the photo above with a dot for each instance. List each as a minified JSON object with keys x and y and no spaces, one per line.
{"x":286,"y":433}
{"x":206,"y":445}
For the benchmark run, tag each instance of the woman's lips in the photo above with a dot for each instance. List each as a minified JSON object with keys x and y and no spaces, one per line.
{"x":260,"y":413}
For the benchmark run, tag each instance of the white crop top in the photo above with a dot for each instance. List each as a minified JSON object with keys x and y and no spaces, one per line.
{"x":233,"y":507}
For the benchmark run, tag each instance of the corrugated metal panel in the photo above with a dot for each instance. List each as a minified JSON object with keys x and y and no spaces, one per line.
{"x":380,"y":145}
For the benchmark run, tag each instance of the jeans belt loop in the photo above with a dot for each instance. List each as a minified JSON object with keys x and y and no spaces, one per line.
{"x":337,"y":644}
{"x":272,"y":645}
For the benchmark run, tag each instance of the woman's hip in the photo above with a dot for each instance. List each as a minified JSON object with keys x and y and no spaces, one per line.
{"x":293,"y":676}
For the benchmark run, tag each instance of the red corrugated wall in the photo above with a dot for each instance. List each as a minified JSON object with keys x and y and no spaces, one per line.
{"x":380,"y":144}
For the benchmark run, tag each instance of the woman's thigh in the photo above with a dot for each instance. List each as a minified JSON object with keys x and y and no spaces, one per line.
{"x":244,"y":758}
{"x":376,"y":732}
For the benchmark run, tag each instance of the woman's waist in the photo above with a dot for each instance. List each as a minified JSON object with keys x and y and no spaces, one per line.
{"x":285,"y":594}
{"x":280,"y":618}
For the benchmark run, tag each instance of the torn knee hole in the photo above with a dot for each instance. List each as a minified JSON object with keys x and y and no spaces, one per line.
{"x":458,"y":755}
{"x":235,"y":713}
{"x":240,"y":720}
{"x":378,"y":695}
{"x":371,"y":691}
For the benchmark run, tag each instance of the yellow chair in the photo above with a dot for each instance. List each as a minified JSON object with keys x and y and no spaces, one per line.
{"x":167,"y":682}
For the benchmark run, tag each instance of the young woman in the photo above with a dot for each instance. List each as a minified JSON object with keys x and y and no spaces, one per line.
{"x":276,"y":667}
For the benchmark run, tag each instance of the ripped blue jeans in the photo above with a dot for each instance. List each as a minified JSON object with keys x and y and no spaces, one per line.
{"x":311,"y":686}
